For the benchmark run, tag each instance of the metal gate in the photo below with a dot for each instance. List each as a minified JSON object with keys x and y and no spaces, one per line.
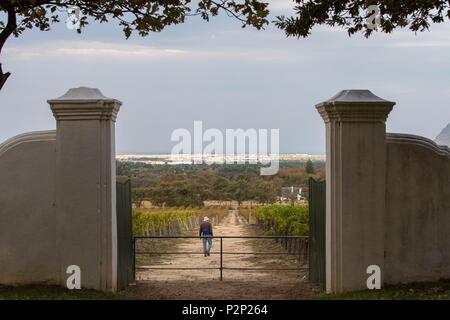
{"x":125,"y":273}
{"x":295,"y":246}
{"x":317,"y":200}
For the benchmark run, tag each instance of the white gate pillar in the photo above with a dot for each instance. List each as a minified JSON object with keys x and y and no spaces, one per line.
{"x":356,"y":184}
{"x":86,"y":186}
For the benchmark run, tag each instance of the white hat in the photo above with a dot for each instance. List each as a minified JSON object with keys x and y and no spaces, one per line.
{"x":205,"y":219}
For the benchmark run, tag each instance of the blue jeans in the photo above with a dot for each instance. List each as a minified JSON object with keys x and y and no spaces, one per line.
{"x":207,"y":244}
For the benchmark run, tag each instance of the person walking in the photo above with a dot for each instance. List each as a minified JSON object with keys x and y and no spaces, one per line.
{"x":206,"y":232}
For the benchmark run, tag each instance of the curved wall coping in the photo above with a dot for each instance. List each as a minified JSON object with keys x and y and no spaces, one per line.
{"x":49,"y":135}
{"x":401,"y":138}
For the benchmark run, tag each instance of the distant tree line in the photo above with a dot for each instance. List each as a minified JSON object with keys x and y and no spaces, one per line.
{"x":190,"y":185}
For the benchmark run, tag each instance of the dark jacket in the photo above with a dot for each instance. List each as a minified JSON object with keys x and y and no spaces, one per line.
{"x":206,"y":229}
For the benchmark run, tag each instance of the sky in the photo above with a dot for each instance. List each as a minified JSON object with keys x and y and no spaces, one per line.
{"x":227,"y":77}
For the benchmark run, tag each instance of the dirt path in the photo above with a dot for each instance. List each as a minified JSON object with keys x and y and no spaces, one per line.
{"x":236,"y":284}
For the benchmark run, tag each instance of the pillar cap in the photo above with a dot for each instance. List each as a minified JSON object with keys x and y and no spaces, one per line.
{"x":355,"y":106}
{"x":84,"y":103}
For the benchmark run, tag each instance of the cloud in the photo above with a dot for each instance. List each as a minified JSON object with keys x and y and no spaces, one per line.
{"x":437,"y":37}
{"x":422,"y":44}
{"x":97,"y":50}
{"x":90,"y":50}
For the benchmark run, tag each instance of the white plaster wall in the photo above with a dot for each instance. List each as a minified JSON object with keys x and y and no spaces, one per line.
{"x":27,"y":212}
{"x":417,"y":222}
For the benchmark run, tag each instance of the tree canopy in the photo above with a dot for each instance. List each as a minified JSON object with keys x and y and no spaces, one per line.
{"x":309,"y":167}
{"x":417,"y":15}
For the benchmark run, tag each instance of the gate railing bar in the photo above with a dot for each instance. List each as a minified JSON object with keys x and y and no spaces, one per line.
{"x":134,"y":258}
{"x":177,"y":268}
{"x":222,"y":237}
{"x":221,"y":259}
{"x":223,"y":268}
{"x":267,"y":269}
{"x":250,"y":253}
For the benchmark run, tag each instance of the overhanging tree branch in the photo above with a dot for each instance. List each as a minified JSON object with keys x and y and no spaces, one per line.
{"x":9,"y":28}
{"x":4,"y":35}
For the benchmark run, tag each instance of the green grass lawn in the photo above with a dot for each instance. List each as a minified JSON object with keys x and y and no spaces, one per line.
{"x":416,"y":291}
{"x":41,"y":292}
